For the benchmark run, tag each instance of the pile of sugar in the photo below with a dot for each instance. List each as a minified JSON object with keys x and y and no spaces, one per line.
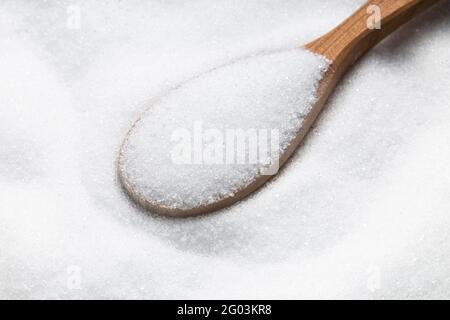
{"x":270,"y":91}
{"x":360,"y":212}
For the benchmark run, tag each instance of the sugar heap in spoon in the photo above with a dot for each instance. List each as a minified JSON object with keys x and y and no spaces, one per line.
{"x":216,"y":134}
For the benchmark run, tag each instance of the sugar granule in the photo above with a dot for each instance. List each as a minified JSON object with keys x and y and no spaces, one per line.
{"x":361,"y":212}
{"x":270,"y":91}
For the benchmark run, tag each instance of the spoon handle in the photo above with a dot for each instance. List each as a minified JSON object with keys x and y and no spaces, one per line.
{"x":370,"y":24}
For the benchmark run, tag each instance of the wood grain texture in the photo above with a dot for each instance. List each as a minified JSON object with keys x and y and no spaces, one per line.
{"x":342,"y":46}
{"x":352,"y":38}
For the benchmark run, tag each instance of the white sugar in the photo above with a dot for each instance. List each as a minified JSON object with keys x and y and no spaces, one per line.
{"x":362,"y":211}
{"x":270,"y":94}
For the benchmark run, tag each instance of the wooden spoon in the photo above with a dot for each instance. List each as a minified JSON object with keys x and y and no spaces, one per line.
{"x":342,"y":46}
